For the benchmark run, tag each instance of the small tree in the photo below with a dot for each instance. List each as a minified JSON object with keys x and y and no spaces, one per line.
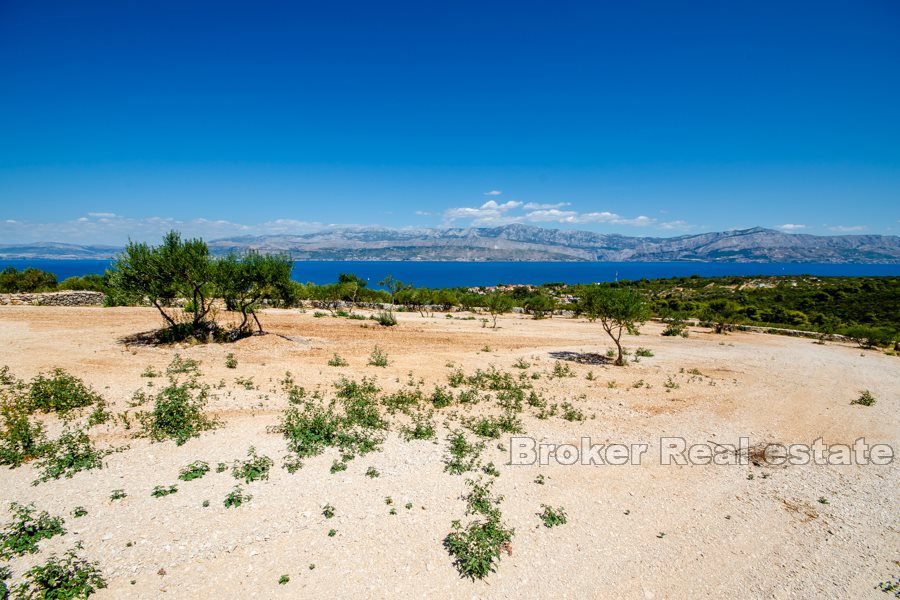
{"x":723,"y":314}
{"x":498,"y":304}
{"x":176,"y":269}
{"x":244,"y":281}
{"x":393,"y":286}
{"x":617,"y":309}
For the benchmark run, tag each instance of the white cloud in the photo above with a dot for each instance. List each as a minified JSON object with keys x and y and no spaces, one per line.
{"x":791,"y":226}
{"x":676,"y":225}
{"x":539,"y":206}
{"x":493,"y":193}
{"x":847,"y":228}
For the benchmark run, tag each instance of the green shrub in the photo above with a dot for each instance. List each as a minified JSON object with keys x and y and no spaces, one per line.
{"x":378,"y":358}
{"x":118,"y":495}
{"x":20,"y":439}
{"x":177,"y":413}
{"x":422,"y":428}
{"x":180,"y":366}
{"x":195,"y":470}
{"x":161,"y":490}
{"x":865,"y":398}
{"x":255,"y":468}
{"x":643,"y":352}
{"x":337,"y":361}
{"x":230,"y":361}
{"x":477,"y":546}
{"x":236,"y":497}
{"x":71,"y":453}
{"x":67,"y":577}
{"x":441,"y":397}
{"x":553,"y":516}
{"x":463,"y":455}
{"x":386,"y":318}
{"x":22,"y":534}
{"x":59,"y":392}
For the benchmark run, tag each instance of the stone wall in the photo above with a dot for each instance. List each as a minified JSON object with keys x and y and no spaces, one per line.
{"x":68,"y":298}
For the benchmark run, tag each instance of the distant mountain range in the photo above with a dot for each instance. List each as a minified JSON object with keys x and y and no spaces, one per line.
{"x":526,"y":243}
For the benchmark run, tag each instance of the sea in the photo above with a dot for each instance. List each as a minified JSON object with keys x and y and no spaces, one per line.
{"x":473,"y":274}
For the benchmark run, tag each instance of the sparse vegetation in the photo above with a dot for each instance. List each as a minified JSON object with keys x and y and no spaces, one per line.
{"x":551,"y":517}
{"x":26,"y":530}
{"x":195,"y":470}
{"x":865,"y":399}
{"x":66,"y":577}
{"x":378,"y":358}
{"x":255,"y":468}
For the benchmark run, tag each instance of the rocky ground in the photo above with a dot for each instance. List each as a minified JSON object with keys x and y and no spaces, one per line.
{"x":633,"y":531}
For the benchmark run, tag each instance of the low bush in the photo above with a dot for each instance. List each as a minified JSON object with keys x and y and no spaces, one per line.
{"x":66,"y":577}
{"x":255,"y":468}
{"x":59,"y":392}
{"x":26,"y":530}
{"x":70,"y":453}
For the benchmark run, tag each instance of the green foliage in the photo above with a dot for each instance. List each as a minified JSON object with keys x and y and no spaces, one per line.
{"x":230,"y":361}
{"x":22,"y":534}
{"x":284,"y":580}
{"x":378,"y":358}
{"x":497,"y":304}
{"x":553,"y":516}
{"x":643,"y":352}
{"x":79,"y":511}
{"x":13,"y":281}
{"x":60,"y":392}
{"x":462,"y":455}
{"x":421,"y":428}
{"x":20,"y":439}
{"x":195,"y":470}
{"x":441,"y":397}
{"x":70,"y":453}
{"x":618,"y":310}
{"x":255,"y":468}
{"x":337,"y":361}
{"x":243,"y":281}
{"x":160,"y":490}
{"x":865,"y":399}
{"x":236,"y":497}
{"x":386,"y":318}
{"x":63,"y":578}
{"x":476,"y":546}
{"x":177,"y":411}
{"x":118,"y":495}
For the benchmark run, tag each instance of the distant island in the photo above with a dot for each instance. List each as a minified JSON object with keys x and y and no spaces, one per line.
{"x":526,"y":243}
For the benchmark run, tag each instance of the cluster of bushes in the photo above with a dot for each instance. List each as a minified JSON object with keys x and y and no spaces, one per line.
{"x":13,"y":281}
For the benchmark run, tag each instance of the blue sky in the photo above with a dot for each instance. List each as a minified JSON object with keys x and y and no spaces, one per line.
{"x":123,"y":119}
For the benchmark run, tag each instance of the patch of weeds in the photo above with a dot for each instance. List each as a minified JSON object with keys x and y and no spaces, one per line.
{"x":99,"y":415}
{"x":337,"y":361}
{"x":255,"y":468}
{"x":561,"y":370}
{"x":521,"y":364}
{"x":245,"y":382}
{"x":150,"y":372}
{"x":386,"y":318}
{"x":332,"y":532}
{"x":456,"y":378}
{"x":338,"y":466}
{"x":539,"y":480}
{"x":71,"y":453}
{"x":865,"y":399}
{"x":590,"y":376}
{"x":403,"y":400}
{"x":480,"y":499}
{"x":638,"y":384}
{"x":441,"y":397}
{"x":236,"y":497}
{"x":195,"y":470}
{"x":22,"y":534}
{"x":117,"y":495}
{"x":78,"y":512}
{"x":177,"y":413}
{"x":643,"y":352}
{"x":463,"y":455}
{"x":284,"y":580}
{"x":486,"y":348}
{"x":571,"y":413}
{"x":378,"y":358}
{"x":670,"y":384}
{"x":205,"y":504}
{"x":823,"y":500}
{"x":421,"y":428}
{"x":328,"y":511}
{"x":476,"y":546}
{"x":59,"y":392}
{"x":230,"y":361}
{"x":180,"y":366}
{"x":553,"y":516}
{"x":66,"y":577}
{"x":494,"y":427}
{"x":372,"y":473}
{"x":490,"y":469}
{"x":890,"y":587}
{"x":161,"y":490}
{"x":221,"y":467}
{"x":20,"y":439}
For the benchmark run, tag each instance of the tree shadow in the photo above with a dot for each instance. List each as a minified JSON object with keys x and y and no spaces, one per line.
{"x":583,"y":358}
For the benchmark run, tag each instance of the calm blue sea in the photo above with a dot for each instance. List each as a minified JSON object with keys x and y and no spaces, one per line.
{"x":462,"y":274}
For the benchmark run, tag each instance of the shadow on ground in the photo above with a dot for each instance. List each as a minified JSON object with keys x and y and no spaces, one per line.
{"x":584,"y":358}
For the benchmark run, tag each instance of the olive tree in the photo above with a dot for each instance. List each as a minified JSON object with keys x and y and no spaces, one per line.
{"x":618,"y":310}
{"x":497,"y":304}
{"x":176,"y":269}
{"x":245,"y":280}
